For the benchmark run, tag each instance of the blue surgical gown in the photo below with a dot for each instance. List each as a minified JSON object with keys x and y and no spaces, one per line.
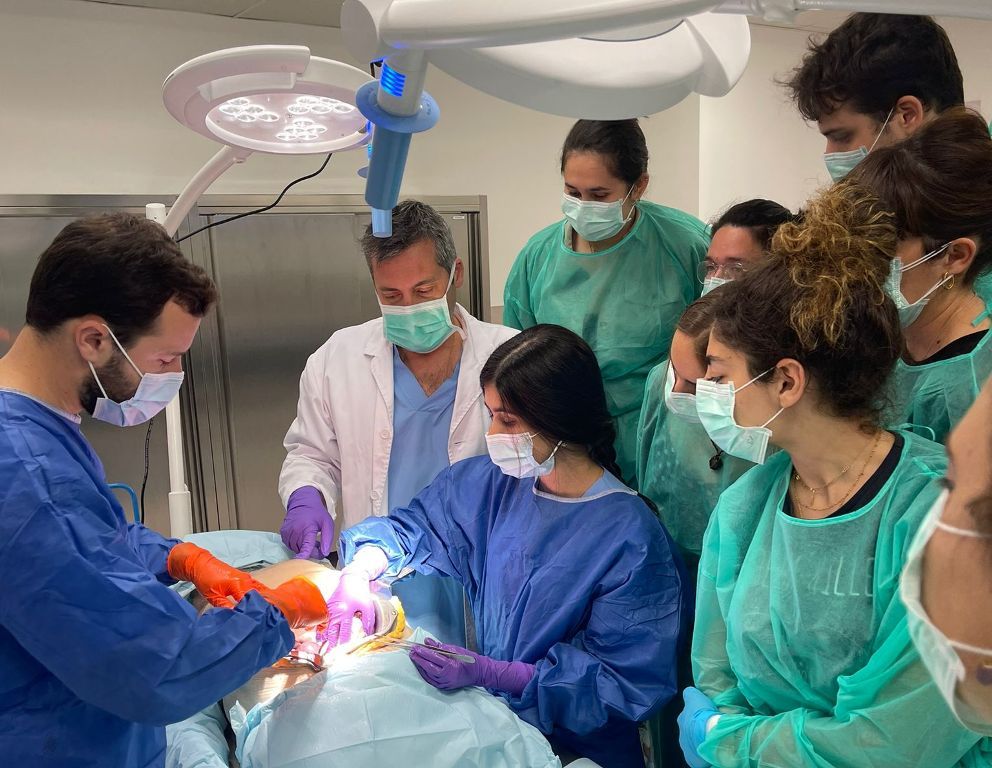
{"x":421,"y":425}
{"x":97,"y":654}
{"x":589,"y":590}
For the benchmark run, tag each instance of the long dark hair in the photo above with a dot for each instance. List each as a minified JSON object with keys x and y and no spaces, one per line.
{"x":621,"y":144}
{"x":549,"y":377}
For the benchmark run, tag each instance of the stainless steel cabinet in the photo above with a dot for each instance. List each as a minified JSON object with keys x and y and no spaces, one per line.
{"x":288,"y":279}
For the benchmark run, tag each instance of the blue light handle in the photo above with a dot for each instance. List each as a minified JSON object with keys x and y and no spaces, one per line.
{"x":382,"y":191}
{"x":390,"y":145}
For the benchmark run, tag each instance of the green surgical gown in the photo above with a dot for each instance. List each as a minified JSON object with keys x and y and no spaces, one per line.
{"x":624,"y":301}
{"x":801,"y":638}
{"x":673,"y":466}
{"x":934,"y":396}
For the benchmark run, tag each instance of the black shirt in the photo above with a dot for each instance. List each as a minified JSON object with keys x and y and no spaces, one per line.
{"x":963,"y":346}
{"x":869,"y":490}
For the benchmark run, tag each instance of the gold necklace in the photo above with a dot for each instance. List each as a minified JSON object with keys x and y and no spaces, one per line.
{"x":836,"y":505}
{"x":844,"y":471}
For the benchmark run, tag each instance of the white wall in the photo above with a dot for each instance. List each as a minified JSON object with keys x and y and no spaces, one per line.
{"x":754,"y":144}
{"x":81,"y":92}
{"x":82,"y":113}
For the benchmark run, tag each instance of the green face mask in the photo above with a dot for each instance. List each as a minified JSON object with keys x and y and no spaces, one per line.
{"x":419,"y":328}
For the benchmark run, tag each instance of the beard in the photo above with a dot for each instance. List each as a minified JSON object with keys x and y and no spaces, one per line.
{"x":116,"y":377}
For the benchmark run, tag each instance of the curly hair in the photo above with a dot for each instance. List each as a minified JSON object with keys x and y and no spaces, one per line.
{"x":820,"y":299}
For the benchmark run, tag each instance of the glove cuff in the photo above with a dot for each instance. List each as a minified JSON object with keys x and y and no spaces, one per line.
{"x":370,"y":561}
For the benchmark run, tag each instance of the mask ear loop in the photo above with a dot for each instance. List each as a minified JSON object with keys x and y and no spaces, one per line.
{"x":882,"y":129}
{"x":123,"y":351}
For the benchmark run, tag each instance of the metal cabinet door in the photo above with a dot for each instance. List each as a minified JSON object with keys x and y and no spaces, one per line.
{"x":287,"y":281}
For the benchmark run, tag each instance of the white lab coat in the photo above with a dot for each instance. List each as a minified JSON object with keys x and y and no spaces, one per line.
{"x":343,"y":432}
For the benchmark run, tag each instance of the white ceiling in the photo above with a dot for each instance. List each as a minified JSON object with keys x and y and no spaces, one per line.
{"x":321,"y":13}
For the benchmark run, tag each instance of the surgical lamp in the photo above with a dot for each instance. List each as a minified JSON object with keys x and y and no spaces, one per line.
{"x":602,"y":59}
{"x":275,"y":99}
{"x":597,"y":59}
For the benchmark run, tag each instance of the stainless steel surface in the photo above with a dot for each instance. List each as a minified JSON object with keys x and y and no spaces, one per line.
{"x":288,"y":279}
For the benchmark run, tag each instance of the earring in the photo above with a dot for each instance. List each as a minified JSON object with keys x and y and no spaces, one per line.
{"x":950,"y":283}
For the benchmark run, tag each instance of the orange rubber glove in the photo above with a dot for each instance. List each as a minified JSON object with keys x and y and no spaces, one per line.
{"x":221,"y":584}
{"x":300,"y":602}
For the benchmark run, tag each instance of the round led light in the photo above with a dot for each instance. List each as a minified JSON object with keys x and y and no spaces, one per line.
{"x":343,"y":109}
{"x":319,"y":129}
{"x":262,"y":90}
{"x":302,"y":122}
{"x":321,"y":109}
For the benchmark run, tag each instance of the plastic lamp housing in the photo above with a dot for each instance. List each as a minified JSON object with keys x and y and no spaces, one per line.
{"x":276,"y":99}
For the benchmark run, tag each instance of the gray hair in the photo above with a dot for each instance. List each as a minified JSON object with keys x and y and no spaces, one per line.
{"x":412,"y":222}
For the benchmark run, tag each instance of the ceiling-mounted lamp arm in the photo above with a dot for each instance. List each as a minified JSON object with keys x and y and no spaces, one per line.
{"x":786,"y":10}
{"x":180,"y":500}
{"x":212,"y":170}
{"x":515,"y":22}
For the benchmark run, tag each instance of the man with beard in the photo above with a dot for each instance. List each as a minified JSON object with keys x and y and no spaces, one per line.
{"x":97,"y":654}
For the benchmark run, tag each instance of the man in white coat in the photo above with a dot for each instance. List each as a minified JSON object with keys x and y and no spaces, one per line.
{"x":386,"y":405}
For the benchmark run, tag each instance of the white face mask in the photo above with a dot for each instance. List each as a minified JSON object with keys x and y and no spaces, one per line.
{"x":715,"y":406}
{"x":680,"y":404}
{"x":713,"y":282}
{"x":513,"y":453}
{"x":595,"y":221}
{"x":936,"y":650}
{"x":154,"y":392}
{"x":910,"y":313}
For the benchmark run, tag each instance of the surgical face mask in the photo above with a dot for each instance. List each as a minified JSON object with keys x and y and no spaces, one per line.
{"x":713,"y":282}
{"x":513,"y":453}
{"x":595,"y":221}
{"x":680,"y":404}
{"x":715,"y":406}
{"x":910,"y":313}
{"x":154,"y":392}
{"x":937,"y":651}
{"x":839,"y":164}
{"x":419,"y":328}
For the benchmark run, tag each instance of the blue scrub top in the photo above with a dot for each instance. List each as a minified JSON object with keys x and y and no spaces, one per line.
{"x":589,"y":590}
{"x":97,"y":654}
{"x":421,"y":425}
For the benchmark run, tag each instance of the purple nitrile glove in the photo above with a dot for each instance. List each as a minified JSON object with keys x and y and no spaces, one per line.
{"x":450,"y":674}
{"x":353,"y":596}
{"x":306,"y":516}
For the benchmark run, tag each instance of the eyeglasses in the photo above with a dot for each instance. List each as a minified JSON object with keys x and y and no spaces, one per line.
{"x":733,"y":270}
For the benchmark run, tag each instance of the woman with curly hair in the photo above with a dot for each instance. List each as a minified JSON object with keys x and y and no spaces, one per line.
{"x":801,"y":653}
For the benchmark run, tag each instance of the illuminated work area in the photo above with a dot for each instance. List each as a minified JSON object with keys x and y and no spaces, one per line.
{"x":435,"y":383}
